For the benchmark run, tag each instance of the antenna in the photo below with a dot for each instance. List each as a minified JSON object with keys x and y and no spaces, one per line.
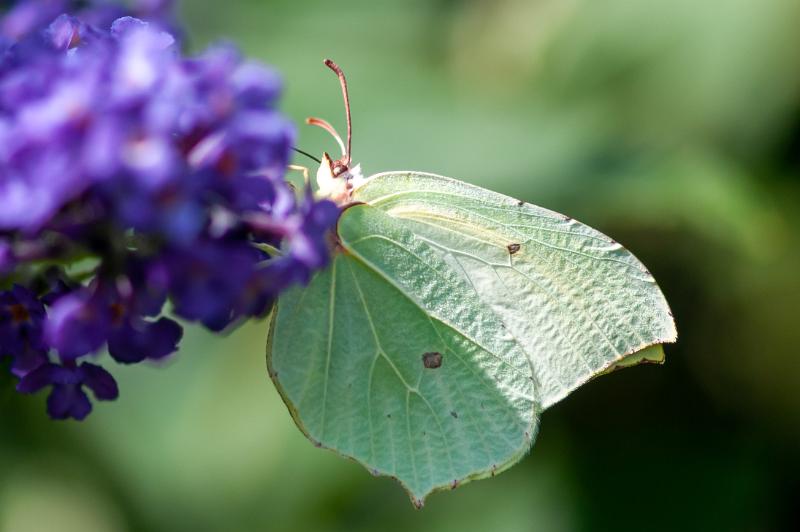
{"x":301,"y":152}
{"x":333,"y":66}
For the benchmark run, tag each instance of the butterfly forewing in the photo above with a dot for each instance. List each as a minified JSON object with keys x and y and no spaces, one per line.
{"x":575,"y":300}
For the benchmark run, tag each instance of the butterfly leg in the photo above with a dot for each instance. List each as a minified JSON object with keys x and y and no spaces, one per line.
{"x":303,"y":169}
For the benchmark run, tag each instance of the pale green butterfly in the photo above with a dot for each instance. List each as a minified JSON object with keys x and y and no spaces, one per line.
{"x":449,"y":319}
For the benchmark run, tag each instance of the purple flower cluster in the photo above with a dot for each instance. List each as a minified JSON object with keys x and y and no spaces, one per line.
{"x":131,"y":175}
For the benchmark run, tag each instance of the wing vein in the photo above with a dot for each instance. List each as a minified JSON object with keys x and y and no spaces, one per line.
{"x":331,"y":310}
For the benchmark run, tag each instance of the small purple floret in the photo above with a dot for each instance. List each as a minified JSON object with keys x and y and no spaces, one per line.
{"x":67,"y":398}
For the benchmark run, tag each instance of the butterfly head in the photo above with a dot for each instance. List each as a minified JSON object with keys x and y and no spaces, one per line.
{"x":336,"y":180}
{"x":336,"y":177}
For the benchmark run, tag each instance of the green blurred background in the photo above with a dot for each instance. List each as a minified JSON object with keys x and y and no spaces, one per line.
{"x":673,"y":126}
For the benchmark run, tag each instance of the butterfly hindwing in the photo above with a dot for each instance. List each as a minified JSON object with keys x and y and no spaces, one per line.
{"x":389,"y":358}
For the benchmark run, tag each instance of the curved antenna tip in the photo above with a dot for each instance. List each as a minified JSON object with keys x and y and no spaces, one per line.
{"x":330,"y":63}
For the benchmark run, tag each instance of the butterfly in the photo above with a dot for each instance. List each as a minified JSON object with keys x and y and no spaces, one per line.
{"x":449,"y":319}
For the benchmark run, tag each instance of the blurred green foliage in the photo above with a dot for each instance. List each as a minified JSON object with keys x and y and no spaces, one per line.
{"x":673,"y":126}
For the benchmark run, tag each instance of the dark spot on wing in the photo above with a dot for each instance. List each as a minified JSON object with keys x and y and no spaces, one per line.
{"x":432,"y":360}
{"x":513,"y":248}
{"x":520,"y":203}
{"x":454,"y":414}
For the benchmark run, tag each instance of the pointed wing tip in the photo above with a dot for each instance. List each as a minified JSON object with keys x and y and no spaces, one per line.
{"x":649,"y":354}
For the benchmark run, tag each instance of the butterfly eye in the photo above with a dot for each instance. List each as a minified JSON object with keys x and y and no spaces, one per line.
{"x":338,"y":169}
